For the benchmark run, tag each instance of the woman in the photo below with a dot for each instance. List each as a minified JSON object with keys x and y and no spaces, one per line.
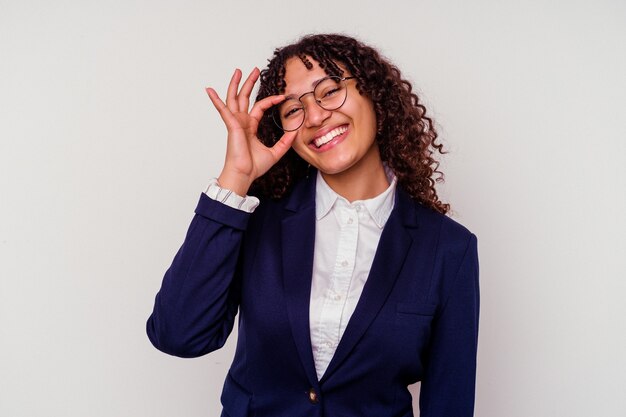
{"x":349,"y":280}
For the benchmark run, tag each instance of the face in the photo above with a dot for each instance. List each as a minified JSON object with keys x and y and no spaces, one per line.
{"x":338,"y":141}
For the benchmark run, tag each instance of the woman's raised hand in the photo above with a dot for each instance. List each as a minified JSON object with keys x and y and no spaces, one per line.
{"x":246,"y":157}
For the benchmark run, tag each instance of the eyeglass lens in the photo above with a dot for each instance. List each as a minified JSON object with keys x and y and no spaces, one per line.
{"x":330,"y":94}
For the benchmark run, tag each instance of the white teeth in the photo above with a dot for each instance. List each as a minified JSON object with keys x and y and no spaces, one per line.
{"x":330,"y":135}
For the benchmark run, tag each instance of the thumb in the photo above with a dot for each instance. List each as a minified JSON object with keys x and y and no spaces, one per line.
{"x":281,"y":147}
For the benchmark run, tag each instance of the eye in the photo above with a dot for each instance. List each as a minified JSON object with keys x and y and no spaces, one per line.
{"x":331,"y":93}
{"x":328,"y":88}
{"x":292,"y":112}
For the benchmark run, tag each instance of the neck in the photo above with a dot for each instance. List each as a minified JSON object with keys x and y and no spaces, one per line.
{"x":366,"y":179}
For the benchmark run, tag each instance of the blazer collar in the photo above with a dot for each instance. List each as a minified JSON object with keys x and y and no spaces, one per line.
{"x":393,"y":247}
{"x":298,"y":241}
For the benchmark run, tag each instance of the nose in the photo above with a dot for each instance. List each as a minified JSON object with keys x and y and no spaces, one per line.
{"x":314,"y":114}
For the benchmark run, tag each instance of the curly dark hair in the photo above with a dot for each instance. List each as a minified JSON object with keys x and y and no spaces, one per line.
{"x":405,"y":134}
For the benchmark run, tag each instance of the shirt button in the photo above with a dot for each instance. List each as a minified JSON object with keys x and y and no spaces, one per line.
{"x":358,"y":207}
{"x":337,"y":297}
{"x":350,"y":220}
{"x":313,"y":396}
{"x":344,"y":263}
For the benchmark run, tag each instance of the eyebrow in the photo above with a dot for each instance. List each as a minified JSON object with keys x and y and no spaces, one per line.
{"x":313,"y":84}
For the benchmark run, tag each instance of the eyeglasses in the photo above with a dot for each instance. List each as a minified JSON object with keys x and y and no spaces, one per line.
{"x":329,"y":93}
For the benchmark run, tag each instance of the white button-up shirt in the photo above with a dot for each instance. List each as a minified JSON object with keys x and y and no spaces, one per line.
{"x":346,"y":238}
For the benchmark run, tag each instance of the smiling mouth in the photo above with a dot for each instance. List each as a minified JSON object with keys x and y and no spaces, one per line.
{"x":322,"y":140}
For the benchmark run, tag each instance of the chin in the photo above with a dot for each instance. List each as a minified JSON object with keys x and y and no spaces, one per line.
{"x":335,"y":169}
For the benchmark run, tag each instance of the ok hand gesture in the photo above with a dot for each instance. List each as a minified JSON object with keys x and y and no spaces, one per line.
{"x":246,"y":157}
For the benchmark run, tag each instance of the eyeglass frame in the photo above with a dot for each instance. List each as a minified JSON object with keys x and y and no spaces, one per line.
{"x":341,"y":79}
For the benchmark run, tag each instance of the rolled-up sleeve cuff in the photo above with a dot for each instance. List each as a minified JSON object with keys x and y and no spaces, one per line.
{"x":247,"y":203}
{"x":222,"y":213}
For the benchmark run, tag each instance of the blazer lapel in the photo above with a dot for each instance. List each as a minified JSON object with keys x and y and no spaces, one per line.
{"x":298,"y":241}
{"x":393,"y":247}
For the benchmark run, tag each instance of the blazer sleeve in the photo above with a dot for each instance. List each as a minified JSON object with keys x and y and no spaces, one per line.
{"x":195,"y":309}
{"x":448,"y":386}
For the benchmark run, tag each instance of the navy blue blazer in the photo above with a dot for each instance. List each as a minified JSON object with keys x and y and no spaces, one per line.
{"x":416,"y":320}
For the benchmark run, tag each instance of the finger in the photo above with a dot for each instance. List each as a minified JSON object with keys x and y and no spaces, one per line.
{"x":225,"y":113}
{"x":262,"y":106}
{"x":246,"y":90}
{"x":231,"y":94}
{"x":216,"y":100}
{"x":281,"y":147}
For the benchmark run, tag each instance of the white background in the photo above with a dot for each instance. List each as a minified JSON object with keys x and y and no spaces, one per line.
{"x":107,"y":139}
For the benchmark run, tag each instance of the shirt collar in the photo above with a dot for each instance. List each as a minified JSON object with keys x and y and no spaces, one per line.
{"x":379,"y":207}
